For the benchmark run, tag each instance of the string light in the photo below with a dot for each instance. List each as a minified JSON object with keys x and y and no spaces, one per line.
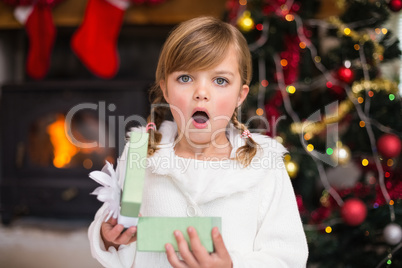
{"x":390,"y":162}
{"x":365,"y":162}
{"x":310,"y":147}
{"x":302,"y":45}
{"x":362,"y":124}
{"x":291,"y":89}
{"x":284,"y":62}
{"x":360,"y":100}
{"x":289,"y":17}
{"x":330,"y":151}
{"x":259,"y":111}
{"x":245,"y":22}
{"x":328,"y":229}
{"x":243,"y":2}
{"x":264,"y":83}
{"x":371,"y":93}
{"x":356,"y":46}
{"x":391,"y":97}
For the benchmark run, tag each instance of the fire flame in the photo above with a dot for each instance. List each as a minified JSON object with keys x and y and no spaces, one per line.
{"x":63,"y":149}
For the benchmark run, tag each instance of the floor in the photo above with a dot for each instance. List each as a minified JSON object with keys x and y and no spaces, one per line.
{"x":33,"y":242}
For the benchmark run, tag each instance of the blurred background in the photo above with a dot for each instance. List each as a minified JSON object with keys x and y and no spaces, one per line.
{"x":75,"y":75}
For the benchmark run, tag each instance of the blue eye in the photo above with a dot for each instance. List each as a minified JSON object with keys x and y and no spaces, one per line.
{"x":221,"y":81}
{"x":184,"y":79}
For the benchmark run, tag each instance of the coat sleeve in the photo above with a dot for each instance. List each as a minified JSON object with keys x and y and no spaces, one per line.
{"x":280,"y":240}
{"x":124,"y":256}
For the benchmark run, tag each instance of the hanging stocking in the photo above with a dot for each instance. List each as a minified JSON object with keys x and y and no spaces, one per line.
{"x":95,"y":41}
{"x":41,"y":32}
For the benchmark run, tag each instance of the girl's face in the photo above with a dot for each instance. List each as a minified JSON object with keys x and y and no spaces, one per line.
{"x":203,"y":102}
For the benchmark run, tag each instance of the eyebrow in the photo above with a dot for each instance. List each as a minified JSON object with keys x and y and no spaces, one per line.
{"x":224,"y":72}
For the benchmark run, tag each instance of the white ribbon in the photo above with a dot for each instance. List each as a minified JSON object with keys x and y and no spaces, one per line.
{"x":110,"y":192}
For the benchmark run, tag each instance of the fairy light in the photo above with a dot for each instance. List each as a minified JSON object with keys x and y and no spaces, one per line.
{"x":391,"y":202}
{"x":362,"y":124}
{"x":289,"y":17}
{"x":264,"y":83}
{"x":328,"y":229}
{"x":360,"y":100}
{"x":391,"y":97}
{"x":390,"y":162}
{"x":243,"y":2}
{"x":307,"y":136}
{"x":284,"y":62}
{"x":279,"y":139}
{"x":329,"y":84}
{"x":259,"y":111}
{"x":384,"y":31}
{"x":330,"y":151}
{"x":302,"y":45}
{"x":245,"y":22}
{"x":291,"y":89}
{"x":310,"y":147}
{"x":356,"y":46}
{"x":346,"y":31}
{"x":365,"y":162}
{"x":317,"y":59}
{"x":377,"y":30}
{"x":259,"y":27}
{"x":387,"y":174}
{"x":371,"y":93}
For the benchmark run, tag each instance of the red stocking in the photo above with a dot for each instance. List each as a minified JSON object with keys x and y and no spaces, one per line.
{"x":41,"y":32}
{"x":95,"y":41}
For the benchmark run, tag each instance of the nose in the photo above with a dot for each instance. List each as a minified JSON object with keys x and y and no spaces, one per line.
{"x":201,"y":92}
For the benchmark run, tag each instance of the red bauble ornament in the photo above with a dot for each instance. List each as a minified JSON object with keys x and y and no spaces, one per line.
{"x":346,"y":75}
{"x":389,"y":145}
{"x":395,"y":5}
{"x":353,"y":212}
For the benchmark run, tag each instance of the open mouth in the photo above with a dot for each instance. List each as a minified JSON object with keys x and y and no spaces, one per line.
{"x":200,"y":117}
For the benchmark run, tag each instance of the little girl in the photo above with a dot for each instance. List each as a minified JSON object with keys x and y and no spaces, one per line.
{"x":206,"y":163}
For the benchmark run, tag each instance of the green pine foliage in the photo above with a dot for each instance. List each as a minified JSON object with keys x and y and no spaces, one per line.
{"x":344,"y":245}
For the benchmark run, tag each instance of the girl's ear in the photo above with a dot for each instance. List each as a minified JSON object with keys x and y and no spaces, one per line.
{"x":242,"y":95}
{"x":162,"y":85}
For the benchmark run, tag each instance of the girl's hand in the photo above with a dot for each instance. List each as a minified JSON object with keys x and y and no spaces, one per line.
{"x":112,"y":234}
{"x":199,"y":257}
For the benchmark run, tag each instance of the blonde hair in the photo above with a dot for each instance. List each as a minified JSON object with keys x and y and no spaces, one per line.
{"x":199,"y":44}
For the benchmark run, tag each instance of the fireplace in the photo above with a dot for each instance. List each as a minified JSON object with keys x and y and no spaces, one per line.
{"x":43,"y":171}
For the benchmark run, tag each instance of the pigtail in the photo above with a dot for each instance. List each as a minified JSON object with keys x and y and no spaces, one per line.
{"x":245,"y":153}
{"x":159,"y":107}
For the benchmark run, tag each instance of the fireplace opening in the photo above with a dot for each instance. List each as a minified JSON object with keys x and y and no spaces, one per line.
{"x":54,"y":134}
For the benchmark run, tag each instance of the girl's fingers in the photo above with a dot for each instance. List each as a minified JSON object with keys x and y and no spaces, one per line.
{"x":219,"y":245}
{"x":185,"y":252}
{"x":128,"y":236}
{"x":110,"y":232}
{"x":199,"y":251}
{"x":172,"y":257}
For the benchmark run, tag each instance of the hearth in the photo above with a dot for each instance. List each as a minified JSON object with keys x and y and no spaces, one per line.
{"x":44,"y":169}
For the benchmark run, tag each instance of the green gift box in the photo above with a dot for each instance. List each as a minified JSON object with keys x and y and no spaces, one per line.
{"x":134,"y":179}
{"x":154,"y":232}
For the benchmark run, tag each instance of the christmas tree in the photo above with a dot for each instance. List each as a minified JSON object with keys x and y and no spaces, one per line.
{"x":319,"y":87}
